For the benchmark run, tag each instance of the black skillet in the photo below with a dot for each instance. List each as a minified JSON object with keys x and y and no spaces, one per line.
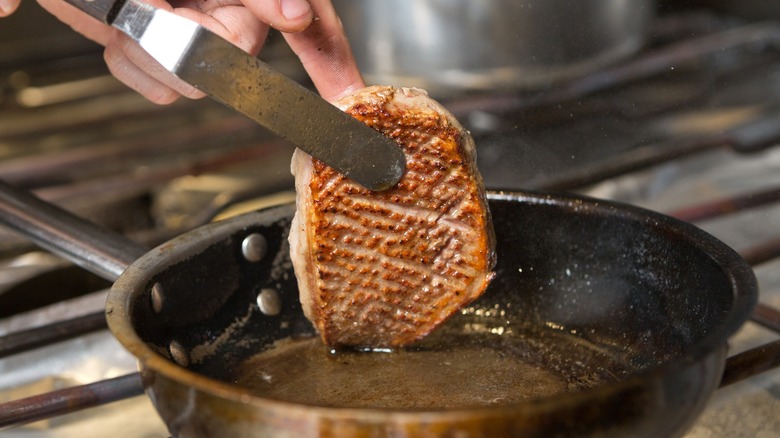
{"x":603,"y":319}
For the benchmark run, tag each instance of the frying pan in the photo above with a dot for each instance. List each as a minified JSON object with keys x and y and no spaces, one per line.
{"x":626,"y":311}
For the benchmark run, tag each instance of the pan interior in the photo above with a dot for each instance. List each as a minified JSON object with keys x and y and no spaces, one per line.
{"x":462,"y":365}
{"x":585,"y":294}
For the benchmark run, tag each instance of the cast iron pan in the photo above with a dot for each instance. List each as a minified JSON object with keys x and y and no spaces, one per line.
{"x":603,"y":319}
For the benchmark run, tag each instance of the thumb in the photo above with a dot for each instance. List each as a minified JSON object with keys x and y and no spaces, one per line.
{"x":282,"y":15}
{"x":326,"y":55}
{"x":7,"y":7}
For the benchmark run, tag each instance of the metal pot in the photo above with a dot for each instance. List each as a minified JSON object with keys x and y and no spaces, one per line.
{"x":450,"y":45}
{"x":656,"y":299}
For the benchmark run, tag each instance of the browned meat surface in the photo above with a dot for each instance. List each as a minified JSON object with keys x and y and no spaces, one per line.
{"x":383,"y":269}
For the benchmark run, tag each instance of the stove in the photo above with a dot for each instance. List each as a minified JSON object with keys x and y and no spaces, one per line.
{"x":689,"y":127}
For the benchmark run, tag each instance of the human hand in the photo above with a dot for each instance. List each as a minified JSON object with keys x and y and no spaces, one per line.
{"x":7,"y":7}
{"x":311,"y":28}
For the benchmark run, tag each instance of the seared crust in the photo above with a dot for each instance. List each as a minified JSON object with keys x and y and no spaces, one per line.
{"x":383,"y":269}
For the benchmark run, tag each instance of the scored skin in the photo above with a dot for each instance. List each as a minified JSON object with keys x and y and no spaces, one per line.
{"x":383,"y":269}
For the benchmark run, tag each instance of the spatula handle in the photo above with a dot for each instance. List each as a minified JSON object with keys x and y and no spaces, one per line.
{"x":102,"y":10}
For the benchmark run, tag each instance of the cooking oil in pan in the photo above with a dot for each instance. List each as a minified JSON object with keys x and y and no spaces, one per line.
{"x":449,"y":369}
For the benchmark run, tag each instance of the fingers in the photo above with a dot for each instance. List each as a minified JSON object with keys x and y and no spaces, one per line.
{"x":233,"y":22}
{"x":78,"y":20}
{"x":319,"y":42}
{"x":129,"y":63}
{"x":325,"y":53}
{"x":125,"y":59}
{"x":283,"y":15}
{"x":7,"y":7}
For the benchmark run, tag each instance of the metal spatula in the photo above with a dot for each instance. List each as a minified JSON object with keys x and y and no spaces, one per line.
{"x":251,"y":87}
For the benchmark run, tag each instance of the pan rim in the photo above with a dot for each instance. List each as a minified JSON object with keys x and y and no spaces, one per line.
{"x":743,"y":285}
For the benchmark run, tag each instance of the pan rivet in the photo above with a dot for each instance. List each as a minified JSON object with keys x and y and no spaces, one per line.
{"x":269,"y":302}
{"x":179,"y":354}
{"x":157,"y":297}
{"x":254,"y":247}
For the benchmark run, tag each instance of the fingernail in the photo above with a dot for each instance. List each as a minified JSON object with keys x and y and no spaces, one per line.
{"x":293,"y":9}
{"x":6,"y":7}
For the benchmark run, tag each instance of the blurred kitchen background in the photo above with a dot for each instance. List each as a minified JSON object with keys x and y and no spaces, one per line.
{"x":670,"y":105}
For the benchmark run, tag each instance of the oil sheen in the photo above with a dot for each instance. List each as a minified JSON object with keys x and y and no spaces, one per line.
{"x":448,"y":370}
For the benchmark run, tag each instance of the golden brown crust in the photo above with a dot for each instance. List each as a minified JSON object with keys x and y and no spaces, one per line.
{"x":385,"y":268}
